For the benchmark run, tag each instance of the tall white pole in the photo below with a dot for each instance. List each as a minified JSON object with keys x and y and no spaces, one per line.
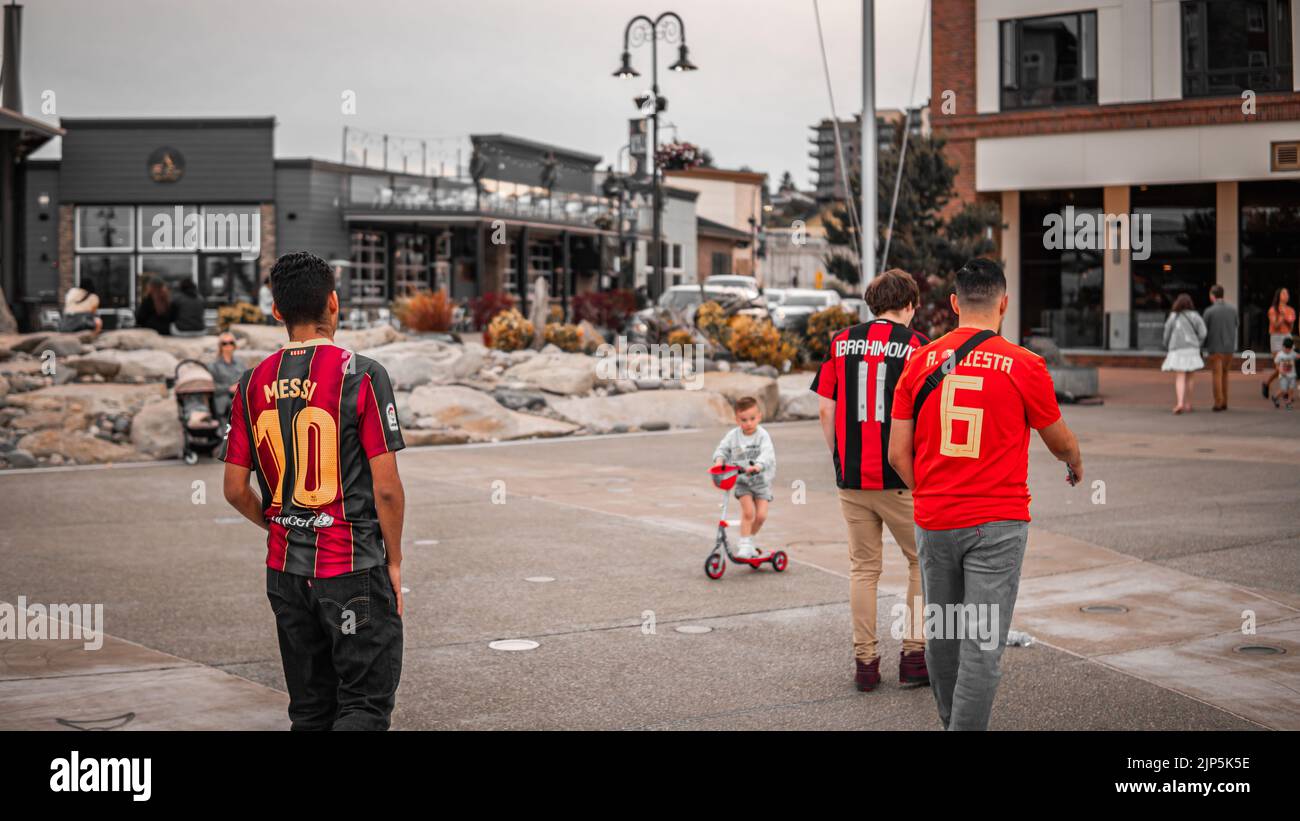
{"x":868,"y":141}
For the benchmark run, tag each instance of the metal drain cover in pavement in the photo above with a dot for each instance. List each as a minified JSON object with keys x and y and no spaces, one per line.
{"x":1259,"y":650}
{"x":1103,"y":608}
{"x":513,"y":644}
{"x":540,"y":579}
{"x":693,"y":629}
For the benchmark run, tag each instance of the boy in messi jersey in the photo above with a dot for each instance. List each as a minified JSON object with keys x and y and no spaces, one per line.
{"x":317,"y":424}
{"x":855,"y":387}
{"x":963,"y":448}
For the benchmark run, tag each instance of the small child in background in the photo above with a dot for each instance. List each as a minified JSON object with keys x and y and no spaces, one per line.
{"x":1285,"y":361}
{"x":749,"y":447}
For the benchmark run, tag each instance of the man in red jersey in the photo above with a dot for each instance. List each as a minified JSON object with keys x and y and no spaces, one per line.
{"x":855,"y":386}
{"x":318,"y":426}
{"x":962,"y":412}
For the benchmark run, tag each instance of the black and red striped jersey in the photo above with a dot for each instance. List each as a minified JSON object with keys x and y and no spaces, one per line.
{"x":307,"y":420}
{"x":864,"y":364}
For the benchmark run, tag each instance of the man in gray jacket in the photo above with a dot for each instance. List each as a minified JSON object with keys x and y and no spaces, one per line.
{"x":1220,"y":343}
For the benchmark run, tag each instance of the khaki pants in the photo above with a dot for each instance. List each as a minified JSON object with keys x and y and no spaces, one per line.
{"x":865,"y":511}
{"x":1220,"y":364}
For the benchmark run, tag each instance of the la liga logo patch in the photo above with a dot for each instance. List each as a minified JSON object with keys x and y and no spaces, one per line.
{"x":392,"y":417}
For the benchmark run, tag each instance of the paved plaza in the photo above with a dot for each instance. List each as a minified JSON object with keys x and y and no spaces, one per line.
{"x":1198,"y":528}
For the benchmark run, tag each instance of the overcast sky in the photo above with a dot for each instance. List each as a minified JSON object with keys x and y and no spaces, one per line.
{"x":539,"y":69}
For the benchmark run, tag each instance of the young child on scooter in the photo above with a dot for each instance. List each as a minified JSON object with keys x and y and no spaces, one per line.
{"x":749,"y":447}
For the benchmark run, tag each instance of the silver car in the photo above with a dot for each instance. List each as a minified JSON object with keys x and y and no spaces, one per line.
{"x":797,"y":304}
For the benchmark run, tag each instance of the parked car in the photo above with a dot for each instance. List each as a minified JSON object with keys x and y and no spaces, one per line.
{"x":733,"y":281}
{"x":797,"y":304}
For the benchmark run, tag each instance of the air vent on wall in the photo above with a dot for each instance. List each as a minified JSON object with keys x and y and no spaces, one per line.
{"x":1286,"y":156}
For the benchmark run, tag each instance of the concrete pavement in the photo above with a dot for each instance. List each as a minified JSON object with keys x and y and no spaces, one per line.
{"x":1197,"y":528}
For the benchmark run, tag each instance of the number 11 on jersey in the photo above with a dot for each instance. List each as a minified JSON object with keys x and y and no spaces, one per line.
{"x":864,"y":377}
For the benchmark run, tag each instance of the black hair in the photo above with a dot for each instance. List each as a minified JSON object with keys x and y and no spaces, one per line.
{"x":301,"y":284}
{"x":1288,"y":343}
{"x":188,"y":287}
{"x":87,"y":284}
{"x":980,"y":282}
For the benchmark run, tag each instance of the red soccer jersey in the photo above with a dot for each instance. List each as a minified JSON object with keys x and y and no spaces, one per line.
{"x":308,"y":420}
{"x":972,"y":437}
{"x":864,"y":364}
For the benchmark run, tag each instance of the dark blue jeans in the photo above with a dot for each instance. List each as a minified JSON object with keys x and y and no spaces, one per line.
{"x":341,"y":646}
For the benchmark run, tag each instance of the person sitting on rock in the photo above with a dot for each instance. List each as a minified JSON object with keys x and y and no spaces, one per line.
{"x":187,"y":316}
{"x":79,"y":307}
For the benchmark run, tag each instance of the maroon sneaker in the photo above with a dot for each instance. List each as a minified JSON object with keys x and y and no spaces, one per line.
{"x":911,"y":669}
{"x":868,"y":675}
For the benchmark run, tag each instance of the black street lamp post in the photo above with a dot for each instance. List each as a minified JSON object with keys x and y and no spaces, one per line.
{"x":641,"y":29}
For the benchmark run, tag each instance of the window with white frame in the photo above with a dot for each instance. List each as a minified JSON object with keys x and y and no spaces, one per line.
{"x":369,"y":275}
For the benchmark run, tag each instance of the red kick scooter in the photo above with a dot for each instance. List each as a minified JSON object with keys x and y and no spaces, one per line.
{"x":724,"y":477}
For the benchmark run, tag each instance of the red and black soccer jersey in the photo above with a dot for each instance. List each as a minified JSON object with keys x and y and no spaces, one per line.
{"x":864,"y":365}
{"x":308,"y":420}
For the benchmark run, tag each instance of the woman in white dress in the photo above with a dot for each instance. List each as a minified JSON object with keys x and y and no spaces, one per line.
{"x":1184,"y":334}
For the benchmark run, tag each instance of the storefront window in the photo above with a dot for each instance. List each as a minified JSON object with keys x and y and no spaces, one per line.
{"x":1182,"y":246}
{"x":110,"y":274}
{"x":172,"y":269}
{"x":1270,"y":253}
{"x":1060,"y":286}
{"x":105,"y":228}
{"x":228,"y":278}
{"x":410,"y":264}
{"x":369,"y":274}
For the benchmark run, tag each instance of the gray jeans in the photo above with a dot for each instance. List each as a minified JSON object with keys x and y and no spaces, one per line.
{"x":972,"y":574}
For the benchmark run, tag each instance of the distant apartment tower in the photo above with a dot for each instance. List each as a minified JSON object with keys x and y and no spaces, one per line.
{"x":1183,"y":113}
{"x":828,"y":181}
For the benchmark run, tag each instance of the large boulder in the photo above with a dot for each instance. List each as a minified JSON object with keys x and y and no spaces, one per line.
{"x":89,"y":397}
{"x":460,"y":411}
{"x":81,"y":448}
{"x":563,"y":373}
{"x":797,"y":401}
{"x":411,"y":364}
{"x":734,"y":385}
{"x":366,"y":338}
{"x":202,"y":348}
{"x":260,"y":337}
{"x":156,"y":430}
{"x":127,"y":365}
{"x":679,"y":409}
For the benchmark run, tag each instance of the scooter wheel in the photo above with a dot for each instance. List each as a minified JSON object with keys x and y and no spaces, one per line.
{"x":191,"y":457}
{"x":779,"y":561}
{"x":715,"y":565}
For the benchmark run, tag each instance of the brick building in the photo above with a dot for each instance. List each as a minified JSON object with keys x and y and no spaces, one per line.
{"x":1181,"y":114}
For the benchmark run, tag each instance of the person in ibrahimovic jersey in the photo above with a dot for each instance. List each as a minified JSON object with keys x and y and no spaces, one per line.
{"x":855,"y":386}
{"x":962,"y":412}
{"x":318,"y":426}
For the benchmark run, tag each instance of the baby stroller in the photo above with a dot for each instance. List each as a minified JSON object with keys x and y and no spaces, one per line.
{"x":195,"y":393}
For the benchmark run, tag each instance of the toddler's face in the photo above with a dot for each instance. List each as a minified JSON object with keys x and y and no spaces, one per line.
{"x":748,"y":420}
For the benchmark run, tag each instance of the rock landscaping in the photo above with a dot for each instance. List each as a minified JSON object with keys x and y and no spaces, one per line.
{"x":70,"y":399}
